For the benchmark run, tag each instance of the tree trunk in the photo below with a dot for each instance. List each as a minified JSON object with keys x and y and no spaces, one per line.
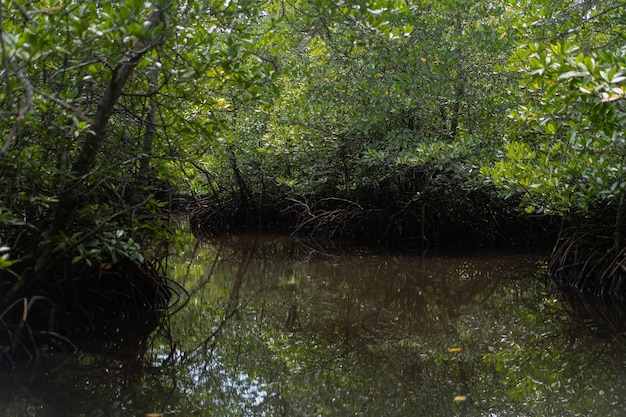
{"x":148,"y":137}
{"x":459,"y":87}
{"x":143,"y":175}
{"x":86,"y":160}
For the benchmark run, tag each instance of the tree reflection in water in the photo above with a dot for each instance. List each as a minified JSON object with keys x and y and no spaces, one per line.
{"x":276,"y":326}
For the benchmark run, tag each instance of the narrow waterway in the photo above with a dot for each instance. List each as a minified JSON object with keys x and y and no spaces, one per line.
{"x":276,"y":326}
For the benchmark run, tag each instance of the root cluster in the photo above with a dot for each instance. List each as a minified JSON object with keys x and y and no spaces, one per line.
{"x":92,"y":308}
{"x":589,"y":262}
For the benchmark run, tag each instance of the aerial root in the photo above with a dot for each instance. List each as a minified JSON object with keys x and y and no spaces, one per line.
{"x":589,"y":262}
{"x":88,"y":309}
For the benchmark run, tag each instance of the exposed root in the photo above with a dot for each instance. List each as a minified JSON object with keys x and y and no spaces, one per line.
{"x":329,"y":217}
{"x":417,"y":219}
{"x":209,"y":213}
{"x":87,"y":308}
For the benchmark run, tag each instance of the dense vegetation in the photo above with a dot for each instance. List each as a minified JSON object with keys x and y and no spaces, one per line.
{"x":437,"y":123}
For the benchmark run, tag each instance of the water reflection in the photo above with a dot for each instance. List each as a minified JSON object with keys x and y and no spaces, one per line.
{"x":276,"y":326}
{"x":347,"y":331}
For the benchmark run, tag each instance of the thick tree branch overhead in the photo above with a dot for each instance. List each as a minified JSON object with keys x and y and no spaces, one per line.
{"x":87,"y":157}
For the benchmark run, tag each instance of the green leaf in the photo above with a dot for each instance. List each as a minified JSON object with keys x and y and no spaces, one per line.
{"x":572,"y":74}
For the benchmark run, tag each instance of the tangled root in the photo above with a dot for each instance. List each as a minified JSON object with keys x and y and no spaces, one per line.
{"x":589,"y":262}
{"x":91,"y":308}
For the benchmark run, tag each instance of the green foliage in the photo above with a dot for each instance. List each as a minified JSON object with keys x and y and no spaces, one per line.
{"x":375,"y":102}
{"x":568,"y":156}
{"x":369,"y":118}
{"x":5,"y":257}
{"x":400,"y":107}
{"x":100,"y":249}
{"x":60,"y":62}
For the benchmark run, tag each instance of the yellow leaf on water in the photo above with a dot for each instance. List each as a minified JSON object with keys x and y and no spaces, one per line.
{"x":460,"y":398}
{"x":454,"y":349}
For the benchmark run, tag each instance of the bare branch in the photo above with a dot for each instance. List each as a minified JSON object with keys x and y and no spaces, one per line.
{"x":77,"y":112}
{"x":29,"y":94}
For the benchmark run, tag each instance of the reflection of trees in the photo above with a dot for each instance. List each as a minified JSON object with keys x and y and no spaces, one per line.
{"x":274,"y":328}
{"x":390,"y":335}
{"x":372,"y":330}
{"x":602,"y":314}
{"x":107,"y":376}
{"x":88,"y":385}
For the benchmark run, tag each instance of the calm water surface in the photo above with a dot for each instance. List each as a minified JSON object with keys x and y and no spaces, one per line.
{"x":276,"y":326}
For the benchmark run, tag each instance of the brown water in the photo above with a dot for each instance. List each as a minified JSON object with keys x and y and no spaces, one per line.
{"x":276,"y":326}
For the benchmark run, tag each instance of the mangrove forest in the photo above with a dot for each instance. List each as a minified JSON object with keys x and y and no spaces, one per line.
{"x":444,"y":125}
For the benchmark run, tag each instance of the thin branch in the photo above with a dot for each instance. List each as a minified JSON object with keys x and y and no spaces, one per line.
{"x":5,"y":61}
{"x":24,"y":108}
{"x":77,"y":112}
{"x":150,"y":93}
{"x":56,"y":72}
{"x":22,"y":11}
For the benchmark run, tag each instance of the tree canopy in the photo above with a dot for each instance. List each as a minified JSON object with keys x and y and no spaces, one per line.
{"x":399,"y":121}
